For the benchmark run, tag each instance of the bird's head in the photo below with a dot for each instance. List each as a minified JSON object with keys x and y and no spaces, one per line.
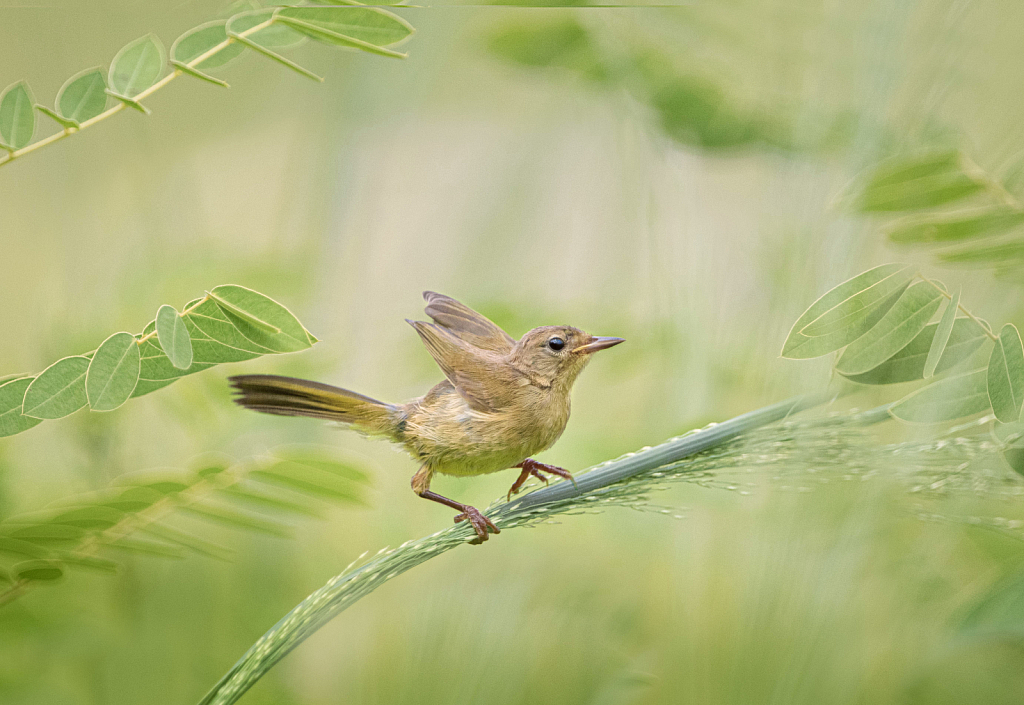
{"x":555,"y":355}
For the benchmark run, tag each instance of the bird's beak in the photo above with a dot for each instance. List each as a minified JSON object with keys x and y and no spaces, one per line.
{"x":597,"y":343}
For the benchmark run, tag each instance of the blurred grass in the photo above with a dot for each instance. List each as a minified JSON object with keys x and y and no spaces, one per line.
{"x":538,"y":198}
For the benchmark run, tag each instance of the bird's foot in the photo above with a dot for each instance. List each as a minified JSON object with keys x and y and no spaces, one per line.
{"x":481,"y":524}
{"x":534,"y":468}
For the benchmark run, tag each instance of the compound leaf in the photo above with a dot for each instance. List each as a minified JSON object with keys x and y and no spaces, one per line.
{"x":17,"y":119}
{"x":174,"y":338}
{"x":113,"y":372}
{"x":945,"y":400}
{"x":59,"y":390}
{"x":894,"y":331}
{"x":1006,"y":375}
{"x":137,"y":66}
{"x":83,"y":96}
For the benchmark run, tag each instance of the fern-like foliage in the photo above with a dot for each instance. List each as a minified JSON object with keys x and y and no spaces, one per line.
{"x":140,"y":68}
{"x":230,"y":324}
{"x":880,"y":320}
{"x":948,"y":205}
{"x":137,"y":513}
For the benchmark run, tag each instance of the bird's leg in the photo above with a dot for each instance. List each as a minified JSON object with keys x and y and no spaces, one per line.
{"x":534,"y":468}
{"x":481,"y":524}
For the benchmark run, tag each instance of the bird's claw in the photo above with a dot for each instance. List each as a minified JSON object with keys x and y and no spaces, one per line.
{"x":481,"y":524}
{"x":533,"y":468}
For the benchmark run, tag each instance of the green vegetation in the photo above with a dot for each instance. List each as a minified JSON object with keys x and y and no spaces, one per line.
{"x":135,"y":72}
{"x":692,"y":179}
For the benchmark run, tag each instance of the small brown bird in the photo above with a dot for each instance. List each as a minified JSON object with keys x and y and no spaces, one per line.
{"x":502,"y":401}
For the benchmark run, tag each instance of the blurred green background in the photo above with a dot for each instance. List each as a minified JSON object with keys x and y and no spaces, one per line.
{"x":671,"y":176}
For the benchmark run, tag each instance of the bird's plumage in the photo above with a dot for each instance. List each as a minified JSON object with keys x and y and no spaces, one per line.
{"x":467,"y":324}
{"x":502,"y":401}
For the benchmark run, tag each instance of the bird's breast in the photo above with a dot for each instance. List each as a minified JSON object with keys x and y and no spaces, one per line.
{"x":444,"y":432}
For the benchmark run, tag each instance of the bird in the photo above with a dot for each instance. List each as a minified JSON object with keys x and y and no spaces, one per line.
{"x":502,"y":401}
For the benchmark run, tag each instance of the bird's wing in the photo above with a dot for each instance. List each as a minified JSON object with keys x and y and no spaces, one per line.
{"x":483,"y":378}
{"x":466,"y":324}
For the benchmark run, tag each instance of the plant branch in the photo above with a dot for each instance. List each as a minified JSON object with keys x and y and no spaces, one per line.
{"x":68,"y":131}
{"x":981,"y":324}
{"x":14,"y":592}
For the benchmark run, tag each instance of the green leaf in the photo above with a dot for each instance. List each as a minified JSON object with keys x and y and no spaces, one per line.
{"x":130,"y":102}
{"x":277,"y":57}
{"x":95,"y":518}
{"x":261,"y":319}
{"x":17,"y":119}
{"x":366,"y":28}
{"x":923,"y":181}
{"x":12,"y":420}
{"x":1006,"y":375}
{"x":322,"y":459}
{"x":131,"y":499}
{"x":799,"y":346}
{"x":17,"y":547}
{"x":199,"y":40}
{"x":270,"y":500}
{"x":997,"y":253}
{"x":83,"y":96}
{"x":215,"y":339}
{"x":59,"y":390}
{"x":59,"y":119}
{"x":91,"y":562}
{"x":309,"y":479}
{"x":1000,"y":609}
{"x":908,"y":364}
{"x":165,"y":482}
{"x":113,"y":373}
{"x":156,"y":366}
{"x":174,"y":338}
{"x":854,"y":309}
{"x":952,"y":227}
{"x":210,"y":464}
{"x":945,"y":400}
{"x":184,"y":539}
{"x":41,"y":570}
{"x":237,"y":518}
{"x":55,"y":535}
{"x":1010,"y":434}
{"x":276,"y":36}
{"x":561,"y":41}
{"x":137,"y":66}
{"x":1015,"y":459}
{"x":896,"y":329}
{"x":196,"y":73}
{"x":144,"y":547}
{"x":941,"y":337}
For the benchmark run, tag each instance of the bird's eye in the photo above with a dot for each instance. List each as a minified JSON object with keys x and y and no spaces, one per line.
{"x":556,"y":343}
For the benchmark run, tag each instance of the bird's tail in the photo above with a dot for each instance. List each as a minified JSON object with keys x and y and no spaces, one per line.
{"x":288,"y":396}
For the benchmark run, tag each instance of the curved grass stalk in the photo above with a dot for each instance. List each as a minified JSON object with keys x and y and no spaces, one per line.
{"x":623,"y":481}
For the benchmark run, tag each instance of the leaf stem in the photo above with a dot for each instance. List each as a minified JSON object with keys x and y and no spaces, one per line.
{"x":193,"y":307}
{"x":981,"y":324}
{"x":14,"y":592}
{"x":993,"y":185}
{"x":67,"y":132}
